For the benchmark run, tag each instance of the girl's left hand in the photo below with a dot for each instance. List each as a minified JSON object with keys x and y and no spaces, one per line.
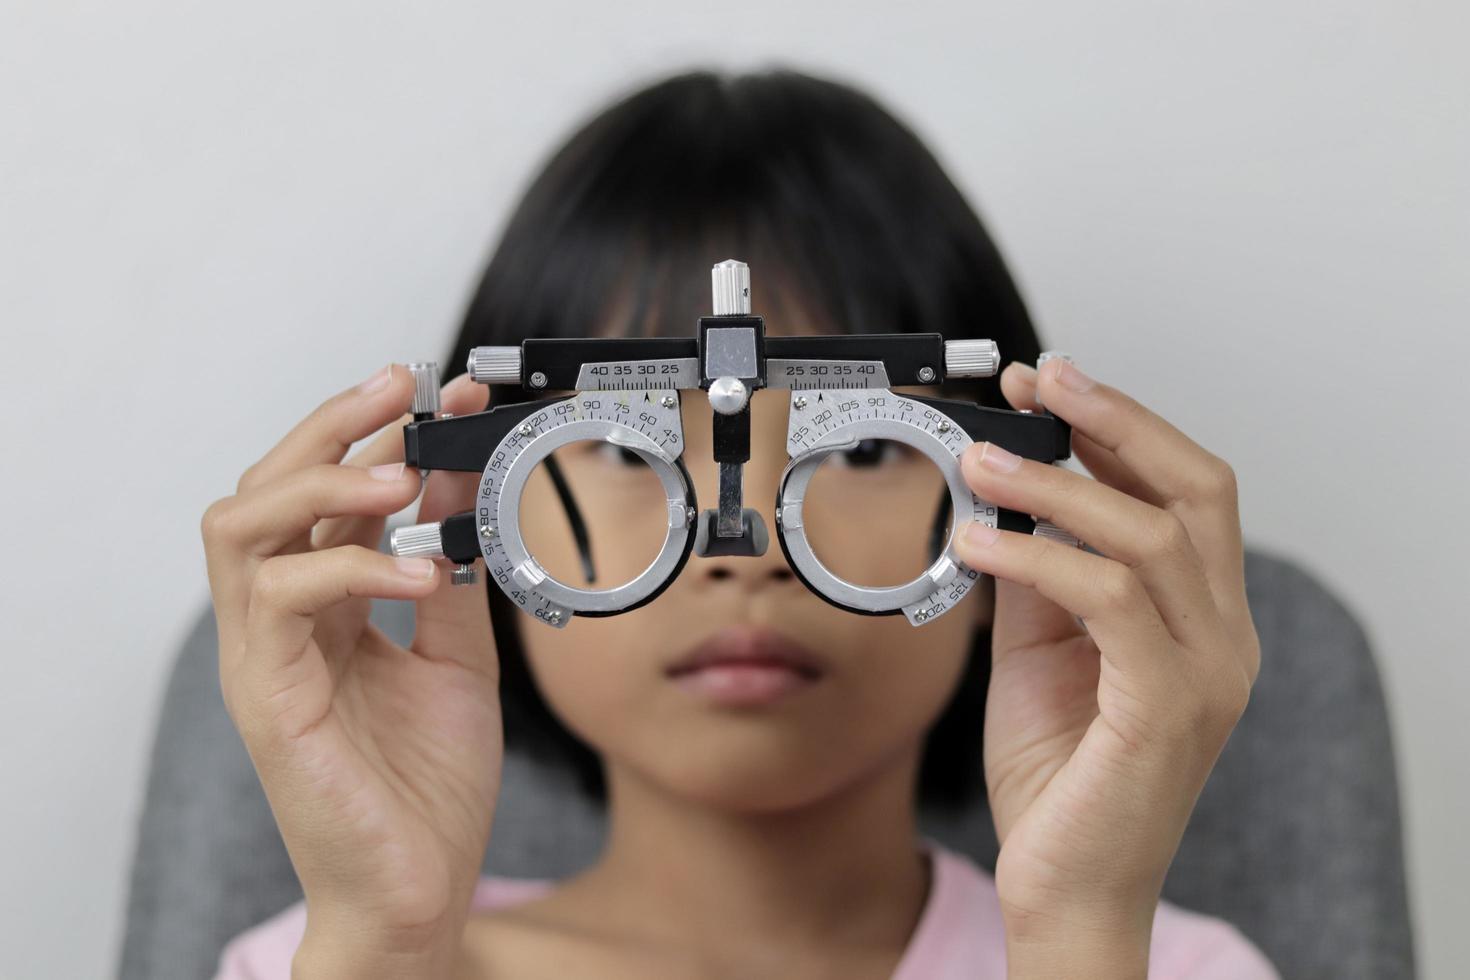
{"x":1116,"y":677}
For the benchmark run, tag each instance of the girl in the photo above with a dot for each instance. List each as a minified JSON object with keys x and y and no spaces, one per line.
{"x":761,"y":816}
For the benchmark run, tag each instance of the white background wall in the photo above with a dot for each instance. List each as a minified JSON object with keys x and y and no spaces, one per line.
{"x":1253,"y":216}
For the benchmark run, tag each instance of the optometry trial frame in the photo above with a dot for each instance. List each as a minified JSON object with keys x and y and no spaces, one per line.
{"x":627,"y":392}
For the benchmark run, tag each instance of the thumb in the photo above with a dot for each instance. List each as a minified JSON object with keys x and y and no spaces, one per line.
{"x":453,"y":621}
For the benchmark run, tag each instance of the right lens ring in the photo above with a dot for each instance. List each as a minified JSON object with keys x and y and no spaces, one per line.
{"x":935,"y":590}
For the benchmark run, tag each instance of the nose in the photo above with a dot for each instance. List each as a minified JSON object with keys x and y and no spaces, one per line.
{"x":760,"y":477}
{"x":754,"y":573}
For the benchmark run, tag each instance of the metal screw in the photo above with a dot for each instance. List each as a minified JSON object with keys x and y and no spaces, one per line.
{"x":554,"y":615}
{"x":926,"y":374}
{"x":800,"y":402}
{"x":689,"y":515}
{"x":944,"y":425}
{"x":668,"y":401}
{"x":538,"y":380}
{"x":525,"y":429}
{"x":486,"y":531}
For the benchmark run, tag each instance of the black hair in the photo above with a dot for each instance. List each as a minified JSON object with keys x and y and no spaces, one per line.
{"x":834,"y":204}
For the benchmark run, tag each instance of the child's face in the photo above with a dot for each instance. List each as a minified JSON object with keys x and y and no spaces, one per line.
{"x":868,"y":516}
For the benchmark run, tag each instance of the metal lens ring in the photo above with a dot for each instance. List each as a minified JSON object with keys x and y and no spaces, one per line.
{"x":647,"y":425}
{"x":850,"y":417}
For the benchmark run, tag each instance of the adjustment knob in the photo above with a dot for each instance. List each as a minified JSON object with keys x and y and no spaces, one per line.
{"x":1046,"y":529}
{"x":425,"y":388}
{"x":417,"y":541}
{"x":495,"y":365}
{"x":971,"y":358}
{"x":728,"y":395}
{"x":730,"y":281}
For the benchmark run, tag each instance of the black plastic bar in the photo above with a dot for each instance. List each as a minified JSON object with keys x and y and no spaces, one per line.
{"x":561,"y":358}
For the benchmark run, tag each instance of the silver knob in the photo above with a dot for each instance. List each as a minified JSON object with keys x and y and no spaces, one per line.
{"x":495,"y":365}
{"x":971,"y":358}
{"x":730,"y":281}
{"x":463,"y":575}
{"x":1047,"y":529}
{"x":425,"y":387}
{"x":417,"y":541}
{"x":728,"y":395}
{"x":1045,"y":356}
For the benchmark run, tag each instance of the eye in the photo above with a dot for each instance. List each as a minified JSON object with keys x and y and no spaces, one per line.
{"x":871,"y":454}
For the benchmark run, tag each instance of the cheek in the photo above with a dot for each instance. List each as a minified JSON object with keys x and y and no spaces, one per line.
{"x":622,"y":512}
{"x":906,"y":677}
{"x":874,"y":528}
{"x":592,"y":674}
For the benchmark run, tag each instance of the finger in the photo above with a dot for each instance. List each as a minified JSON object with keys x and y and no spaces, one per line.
{"x":1105,"y":594}
{"x":289,"y":592}
{"x":329,"y":431}
{"x":262,"y":522}
{"x":243,"y":530}
{"x":1191,"y":482}
{"x":1018,"y":384}
{"x":1149,"y":540}
{"x":1024,"y":619}
{"x":461,"y":396}
{"x":453,"y":623}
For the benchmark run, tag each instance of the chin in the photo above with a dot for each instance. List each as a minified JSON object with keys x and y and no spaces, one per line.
{"x":750,"y":795}
{"x":742,"y":778}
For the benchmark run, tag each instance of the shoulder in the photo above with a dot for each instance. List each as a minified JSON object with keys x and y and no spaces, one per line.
{"x":962,"y":933}
{"x":1196,"y":946}
{"x":265,"y":951}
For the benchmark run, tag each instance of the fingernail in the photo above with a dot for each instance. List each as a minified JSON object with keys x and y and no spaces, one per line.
{"x":995,"y":458}
{"x":388,"y":472}
{"x":419,"y":568}
{"x":1028,"y":373}
{"x":377,"y":382}
{"x":1071,"y":377}
{"x":982,"y":535}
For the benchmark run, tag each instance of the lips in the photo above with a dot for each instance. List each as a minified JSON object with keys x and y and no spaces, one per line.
{"x":751,"y":646}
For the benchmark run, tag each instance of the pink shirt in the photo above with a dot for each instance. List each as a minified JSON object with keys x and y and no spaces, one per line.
{"x":959,"y":935}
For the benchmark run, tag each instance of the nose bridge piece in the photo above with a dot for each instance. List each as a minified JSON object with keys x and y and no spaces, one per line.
{"x":732,"y":366}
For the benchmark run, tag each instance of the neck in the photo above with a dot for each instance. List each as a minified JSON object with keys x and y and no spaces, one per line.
{"x":846,"y":867}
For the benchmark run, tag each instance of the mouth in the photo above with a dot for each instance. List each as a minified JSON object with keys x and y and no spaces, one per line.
{"x":746,"y":665}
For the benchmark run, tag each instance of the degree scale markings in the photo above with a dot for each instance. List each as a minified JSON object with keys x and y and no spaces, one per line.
{"x":796,"y":374}
{"x":953,"y":439}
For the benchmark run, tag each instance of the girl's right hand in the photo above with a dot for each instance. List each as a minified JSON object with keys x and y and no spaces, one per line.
{"x":381,"y":764}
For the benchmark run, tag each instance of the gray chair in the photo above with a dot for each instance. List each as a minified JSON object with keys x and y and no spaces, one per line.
{"x":1296,"y":838}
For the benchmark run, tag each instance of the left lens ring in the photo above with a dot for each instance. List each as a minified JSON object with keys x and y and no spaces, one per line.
{"x":588,"y":416}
